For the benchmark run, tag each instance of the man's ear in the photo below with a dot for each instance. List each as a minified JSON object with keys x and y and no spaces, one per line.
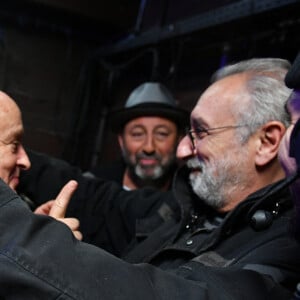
{"x":269,"y":141}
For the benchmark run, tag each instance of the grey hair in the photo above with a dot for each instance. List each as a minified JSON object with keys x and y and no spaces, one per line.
{"x":267,"y":90}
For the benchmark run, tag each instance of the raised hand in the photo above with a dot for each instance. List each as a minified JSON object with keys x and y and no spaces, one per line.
{"x":57,"y":208}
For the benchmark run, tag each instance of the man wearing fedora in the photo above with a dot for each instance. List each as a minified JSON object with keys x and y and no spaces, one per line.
{"x":149,"y":128}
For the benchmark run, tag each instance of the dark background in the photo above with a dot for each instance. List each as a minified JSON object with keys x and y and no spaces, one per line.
{"x":67,"y":63}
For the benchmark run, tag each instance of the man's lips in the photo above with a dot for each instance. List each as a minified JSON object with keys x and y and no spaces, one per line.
{"x":148,"y":161}
{"x":195,"y":169}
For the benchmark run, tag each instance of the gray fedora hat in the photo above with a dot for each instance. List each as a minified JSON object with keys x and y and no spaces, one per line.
{"x":292,"y":78}
{"x":149,"y":99}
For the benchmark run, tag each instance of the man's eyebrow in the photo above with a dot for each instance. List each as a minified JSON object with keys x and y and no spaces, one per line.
{"x":15,"y":134}
{"x":162,"y":126}
{"x":136,"y":126}
{"x":198,"y":122}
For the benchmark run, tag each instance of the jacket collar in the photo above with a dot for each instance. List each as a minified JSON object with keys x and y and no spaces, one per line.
{"x":276,"y":195}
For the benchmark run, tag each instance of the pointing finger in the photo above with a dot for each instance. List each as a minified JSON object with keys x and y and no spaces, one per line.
{"x":61,"y":202}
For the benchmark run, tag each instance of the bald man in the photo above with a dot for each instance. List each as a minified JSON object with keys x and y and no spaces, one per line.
{"x":13,"y":159}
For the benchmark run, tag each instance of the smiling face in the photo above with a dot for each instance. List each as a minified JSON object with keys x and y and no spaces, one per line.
{"x":149,"y":146}
{"x":221,"y":167}
{"x":13,"y":157}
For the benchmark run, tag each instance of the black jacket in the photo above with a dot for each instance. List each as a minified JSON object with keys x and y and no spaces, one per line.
{"x":110,"y":217}
{"x":233,"y":260}
{"x":113,"y":171}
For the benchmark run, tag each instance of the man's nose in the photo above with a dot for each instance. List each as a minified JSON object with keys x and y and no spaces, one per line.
{"x":23,"y":159}
{"x":185,"y":149}
{"x":149,"y":145}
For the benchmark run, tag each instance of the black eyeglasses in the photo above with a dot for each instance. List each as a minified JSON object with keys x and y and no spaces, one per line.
{"x":199,"y":133}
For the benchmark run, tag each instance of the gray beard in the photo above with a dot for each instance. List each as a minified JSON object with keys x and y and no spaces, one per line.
{"x":216,"y":182}
{"x":159,"y":171}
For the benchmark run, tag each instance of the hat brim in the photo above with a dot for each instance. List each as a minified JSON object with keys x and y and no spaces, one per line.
{"x":119,"y":118}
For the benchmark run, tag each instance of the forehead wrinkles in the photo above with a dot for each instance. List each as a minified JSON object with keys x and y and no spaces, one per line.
{"x":150,"y":123}
{"x":222,"y":99}
{"x":10,"y":117}
{"x":7,"y":105}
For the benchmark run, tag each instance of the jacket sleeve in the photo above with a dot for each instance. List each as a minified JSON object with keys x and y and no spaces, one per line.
{"x":40,"y":259}
{"x":107,"y":213}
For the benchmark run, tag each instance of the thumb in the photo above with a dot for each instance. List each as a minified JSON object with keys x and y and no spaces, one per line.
{"x":61,"y":202}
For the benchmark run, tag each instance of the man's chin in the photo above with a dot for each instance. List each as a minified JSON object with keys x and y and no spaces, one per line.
{"x":14,"y":183}
{"x":147,"y":176}
{"x":148,"y":172}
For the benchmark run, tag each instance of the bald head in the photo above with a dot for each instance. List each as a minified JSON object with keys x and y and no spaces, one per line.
{"x":7,"y":104}
{"x":5,"y":98}
{"x":13,"y":157}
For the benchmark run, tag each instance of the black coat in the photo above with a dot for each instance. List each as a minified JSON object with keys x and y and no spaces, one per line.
{"x":113,"y":171}
{"x":113,"y":224}
{"x":235,"y":260}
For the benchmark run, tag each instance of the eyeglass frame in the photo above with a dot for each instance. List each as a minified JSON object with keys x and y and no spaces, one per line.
{"x":192,"y":138}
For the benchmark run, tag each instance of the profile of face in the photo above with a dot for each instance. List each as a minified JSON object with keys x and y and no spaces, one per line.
{"x":288,"y":163}
{"x":214,"y":153}
{"x":13,"y":157}
{"x":148,"y":146}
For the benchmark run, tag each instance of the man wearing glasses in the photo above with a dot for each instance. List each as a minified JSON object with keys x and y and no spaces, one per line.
{"x":231,"y":240}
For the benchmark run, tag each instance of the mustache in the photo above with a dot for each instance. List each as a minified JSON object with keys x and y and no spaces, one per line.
{"x":194,"y":163}
{"x":148,"y":156}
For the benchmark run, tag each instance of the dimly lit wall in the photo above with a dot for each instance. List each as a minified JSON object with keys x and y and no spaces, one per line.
{"x":66,"y":84}
{"x":41,"y":71}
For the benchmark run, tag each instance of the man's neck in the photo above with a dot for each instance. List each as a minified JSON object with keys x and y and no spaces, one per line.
{"x":262,"y":179}
{"x":130,"y":184}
